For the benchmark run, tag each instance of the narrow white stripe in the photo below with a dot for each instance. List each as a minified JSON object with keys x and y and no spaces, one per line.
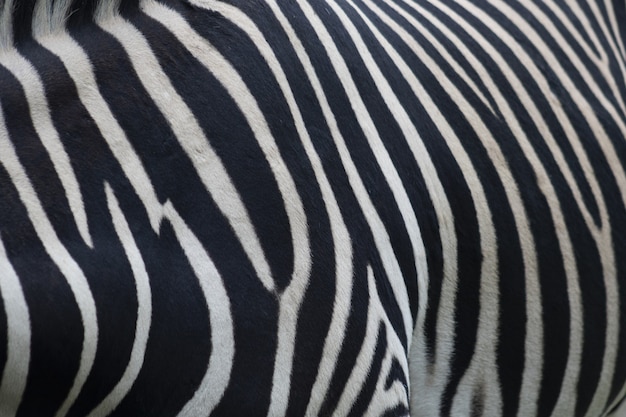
{"x":353,"y":176}
{"x":397,"y":393}
{"x":61,"y":257}
{"x":425,"y":386}
{"x":42,"y":122}
{"x":13,"y":381}
{"x":616,"y":27}
{"x":585,"y":108}
{"x":612,"y":35}
{"x":601,"y":236}
{"x":432,"y":39}
{"x":385,"y":399}
{"x":144,"y":308}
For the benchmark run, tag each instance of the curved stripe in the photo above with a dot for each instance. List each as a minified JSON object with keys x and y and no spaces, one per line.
{"x":215,"y":380}
{"x":189,"y":134}
{"x":386,"y":398}
{"x":602,"y":236}
{"x":42,"y":122}
{"x":78,"y":66}
{"x":362,"y":365}
{"x":432,"y":39}
{"x":61,"y":257}
{"x":144,"y":308}
{"x":614,"y":39}
{"x":14,"y":376}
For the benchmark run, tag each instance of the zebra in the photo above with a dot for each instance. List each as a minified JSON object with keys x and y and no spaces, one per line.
{"x":312,"y":207}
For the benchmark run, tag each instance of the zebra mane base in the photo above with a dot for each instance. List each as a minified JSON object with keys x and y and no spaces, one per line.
{"x":23,"y":19}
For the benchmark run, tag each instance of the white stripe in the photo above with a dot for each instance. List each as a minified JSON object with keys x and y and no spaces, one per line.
{"x":14,"y":376}
{"x":42,"y":122}
{"x":569,"y":260}
{"x":602,"y":23}
{"x":144,"y":308}
{"x":61,"y":257}
{"x":582,"y":102}
{"x":217,"y":375}
{"x":615,"y":26}
{"x":365,"y":203}
{"x":385,"y":399}
{"x":601,"y":62}
{"x":397,"y":394}
{"x":432,"y":39}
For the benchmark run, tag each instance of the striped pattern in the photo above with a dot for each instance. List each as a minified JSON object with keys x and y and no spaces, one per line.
{"x":339,"y":207}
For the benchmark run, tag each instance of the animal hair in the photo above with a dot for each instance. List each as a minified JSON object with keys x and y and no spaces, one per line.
{"x":31,"y":19}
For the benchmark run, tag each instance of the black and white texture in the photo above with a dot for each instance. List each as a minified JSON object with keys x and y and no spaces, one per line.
{"x":312,"y":207}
